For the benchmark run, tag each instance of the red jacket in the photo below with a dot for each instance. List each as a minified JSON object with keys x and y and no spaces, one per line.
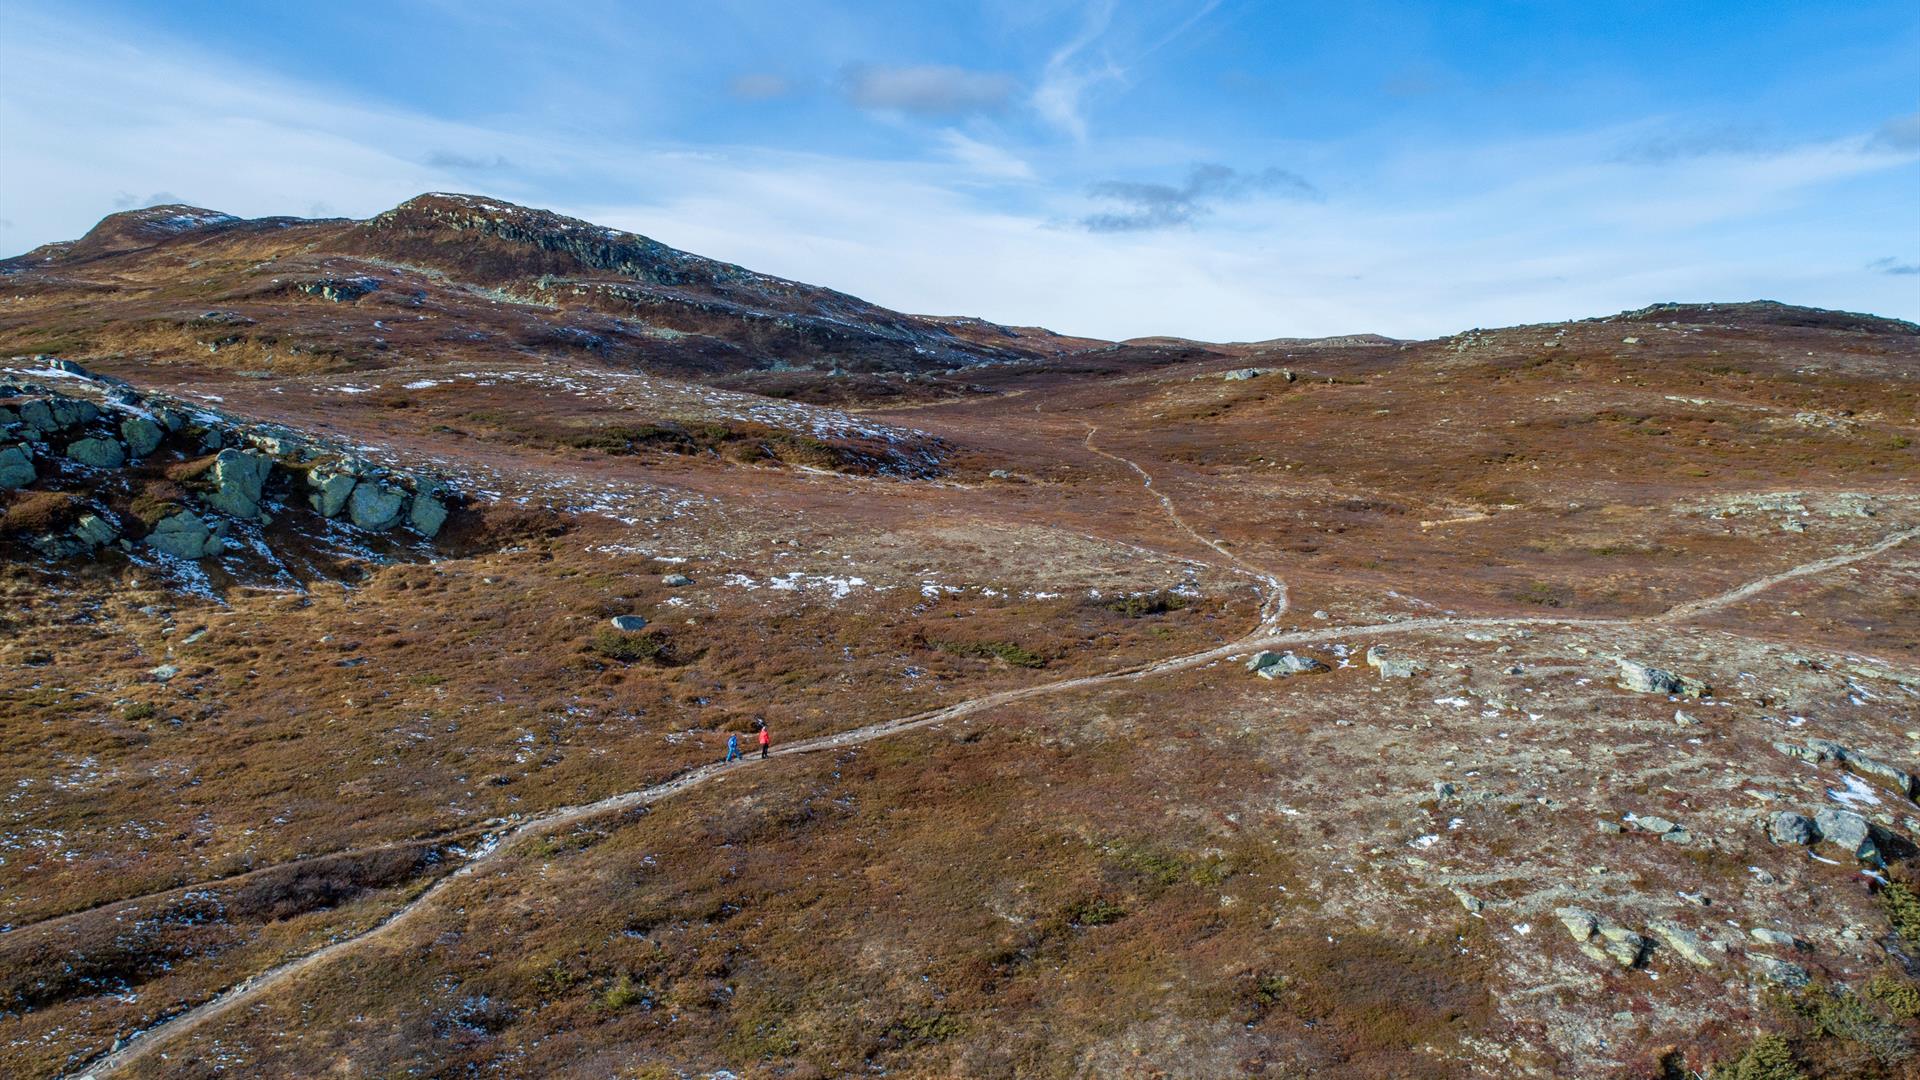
{"x":766,"y":736}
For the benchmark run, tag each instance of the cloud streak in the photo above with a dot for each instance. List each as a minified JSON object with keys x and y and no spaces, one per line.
{"x":1142,"y":206}
{"x":927,"y":90}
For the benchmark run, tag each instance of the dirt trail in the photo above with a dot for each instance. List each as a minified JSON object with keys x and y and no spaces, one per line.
{"x":139,"y":1044}
{"x":1276,"y":604}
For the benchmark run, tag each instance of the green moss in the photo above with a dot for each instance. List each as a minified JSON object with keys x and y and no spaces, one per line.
{"x":1903,"y":911}
{"x":623,"y":994}
{"x":1153,"y":603}
{"x":139,"y":710}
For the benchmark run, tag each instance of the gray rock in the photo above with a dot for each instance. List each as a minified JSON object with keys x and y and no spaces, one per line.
{"x":1622,"y":946}
{"x":1390,"y":666}
{"x":1787,"y":827}
{"x":37,"y":417}
{"x":164,"y":672}
{"x":628,"y":623}
{"x":1653,"y":824}
{"x":1245,"y":373}
{"x":375,"y":506}
{"x":1676,"y":835}
{"x":1612,"y":828}
{"x":331,"y":484}
{"x":1444,"y":790}
{"x":1779,"y":939}
{"x":1826,"y":750}
{"x":426,"y":514}
{"x":185,"y":535}
{"x":237,"y":477}
{"x":676,"y":580}
{"x":1580,"y":922}
{"x":1652,"y":680}
{"x":1682,"y":941}
{"x":1774,"y":969}
{"x":143,"y":435}
{"x":171,"y":419}
{"x":1602,"y":938}
{"x":16,"y":467}
{"x":1847,"y":831}
{"x":1272,"y":665}
{"x":99,"y":453}
{"x":1467,"y":900}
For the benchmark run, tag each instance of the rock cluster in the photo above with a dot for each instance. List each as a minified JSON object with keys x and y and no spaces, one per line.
{"x":1823,"y":750}
{"x":57,"y":437}
{"x":1390,"y":666}
{"x":1602,"y":938}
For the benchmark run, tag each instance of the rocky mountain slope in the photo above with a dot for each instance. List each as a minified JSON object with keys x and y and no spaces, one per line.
{"x":1539,"y":701}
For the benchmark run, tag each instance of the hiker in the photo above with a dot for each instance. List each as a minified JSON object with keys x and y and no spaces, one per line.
{"x":766,"y":738}
{"x":733,"y":749}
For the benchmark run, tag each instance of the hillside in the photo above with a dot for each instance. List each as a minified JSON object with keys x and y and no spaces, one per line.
{"x":1537,"y":701}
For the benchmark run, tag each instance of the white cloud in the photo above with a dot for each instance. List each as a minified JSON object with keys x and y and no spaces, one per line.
{"x":1059,"y":98}
{"x":982,"y":158}
{"x":932,"y":90}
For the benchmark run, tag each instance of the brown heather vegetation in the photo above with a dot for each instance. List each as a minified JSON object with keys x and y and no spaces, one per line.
{"x":1177,"y":870}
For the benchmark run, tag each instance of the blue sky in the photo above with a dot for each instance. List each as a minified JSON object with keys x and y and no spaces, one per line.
{"x":1229,"y":170}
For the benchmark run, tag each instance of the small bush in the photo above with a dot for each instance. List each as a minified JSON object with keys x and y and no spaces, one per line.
{"x":1093,"y":912}
{"x":1897,"y":996}
{"x":622,"y":994}
{"x":139,"y":710}
{"x":1769,"y":1058}
{"x":624,"y":647}
{"x":1144,"y":604}
{"x":1903,"y":911}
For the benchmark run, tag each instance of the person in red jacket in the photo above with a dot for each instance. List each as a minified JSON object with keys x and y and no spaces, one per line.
{"x":766,"y":737}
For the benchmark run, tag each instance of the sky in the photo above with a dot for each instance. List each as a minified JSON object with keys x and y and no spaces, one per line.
{"x":1217,"y":169}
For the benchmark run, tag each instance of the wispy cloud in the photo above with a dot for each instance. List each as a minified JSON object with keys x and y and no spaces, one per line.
{"x":1141,"y":206}
{"x":984,"y":158}
{"x":761,"y":86}
{"x":458,"y":162}
{"x":1060,"y":96}
{"x":1900,"y":133}
{"x":928,"y":90}
{"x":1891,"y":265}
{"x":1665,"y":147}
{"x":127,"y":200}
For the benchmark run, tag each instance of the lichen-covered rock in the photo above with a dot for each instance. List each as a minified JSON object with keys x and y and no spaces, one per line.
{"x":1775,"y":970}
{"x":185,"y":535}
{"x":331,"y":484}
{"x":142,"y":435}
{"x":1683,"y":942}
{"x":237,"y":477}
{"x":426,"y":514}
{"x":16,"y":467}
{"x":375,"y":506}
{"x":171,"y":419}
{"x":1391,"y":666}
{"x":629,"y":623}
{"x":674,"y":581}
{"x":99,"y":453}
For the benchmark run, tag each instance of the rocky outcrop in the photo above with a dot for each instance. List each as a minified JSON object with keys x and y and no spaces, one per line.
{"x":1787,"y":827}
{"x":1391,"y":666}
{"x":59,"y":439}
{"x":1602,"y":938}
{"x":1849,"y":832}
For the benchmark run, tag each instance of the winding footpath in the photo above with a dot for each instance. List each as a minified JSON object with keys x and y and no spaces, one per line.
{"x":1263,"y":636}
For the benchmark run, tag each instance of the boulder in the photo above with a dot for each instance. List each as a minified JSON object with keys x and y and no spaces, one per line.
{"x":1779,"y":939}
{"x":628,"y":623}
{"x":1683,"y":942}
{"x":375,"y":506}
{"x":1272,"y":665}
{"x":674,"y":581}
{"x":1847,"y":831}
{"x":16,"y":467}
{"x":1602,"y":938}
{"x":1787,"y":827}
{"x":237,"y":477}
{"x":1245,"y":373}
{"x":1652,"y":680}
{"x":170,"y":419}
{"x":1653,"y":824}
{"x":143,"y":435}
{"x":72,"y":412}
{"x":185,"y":535}
{"x":331,"y":484}
{"x":1898,"y":779}
{"x":99,"y":453}
{"x":426,"y":514}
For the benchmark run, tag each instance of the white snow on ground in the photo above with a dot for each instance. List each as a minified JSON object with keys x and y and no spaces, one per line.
{"x":1858,"y":793}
